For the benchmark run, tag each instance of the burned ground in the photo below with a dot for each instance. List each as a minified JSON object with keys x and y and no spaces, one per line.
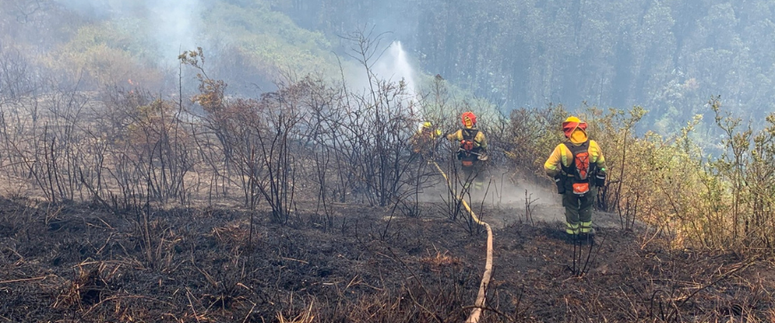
{"x":80,"y":263}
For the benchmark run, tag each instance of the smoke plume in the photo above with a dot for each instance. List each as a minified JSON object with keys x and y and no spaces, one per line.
{"x":174,"y":23}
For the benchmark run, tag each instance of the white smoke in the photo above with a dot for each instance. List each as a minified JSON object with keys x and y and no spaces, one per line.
{"x":176,"y":23}
{"x":173,"y":23}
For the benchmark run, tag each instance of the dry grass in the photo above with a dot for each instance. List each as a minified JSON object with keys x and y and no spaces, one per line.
{"x":441,"y":259}
{"x":91,"y":266}
{"x":87,"y":288}
{"x":305,"y":316}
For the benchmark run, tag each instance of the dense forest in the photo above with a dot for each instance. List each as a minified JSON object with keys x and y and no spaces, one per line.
{"x":667,"y":56}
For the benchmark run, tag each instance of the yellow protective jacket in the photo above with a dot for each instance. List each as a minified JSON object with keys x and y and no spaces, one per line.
{"x":480,"y":142}
{"x":423,"y":140}
{"x":563,"y":157}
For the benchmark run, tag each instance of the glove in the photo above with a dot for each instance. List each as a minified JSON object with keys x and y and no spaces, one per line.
{"x":600,"y":179}
{"x":558,"y":180}
{"x":483,"y":156}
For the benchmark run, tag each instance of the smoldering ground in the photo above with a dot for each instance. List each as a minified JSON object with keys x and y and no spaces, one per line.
{"x":506,"y":199}
{"x":519,"y":199}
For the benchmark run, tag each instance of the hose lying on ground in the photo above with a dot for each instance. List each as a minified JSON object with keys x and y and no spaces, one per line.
{"x":481,"y":296}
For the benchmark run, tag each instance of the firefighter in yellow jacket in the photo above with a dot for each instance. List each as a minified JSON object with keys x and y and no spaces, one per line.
{"x":424,"y":140}
{"x":578,"y":167}
{"x":472,"y":152}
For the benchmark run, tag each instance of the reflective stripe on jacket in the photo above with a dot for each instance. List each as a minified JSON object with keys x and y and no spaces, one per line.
{"x":562,"y":156}
{"x":479,"y":140}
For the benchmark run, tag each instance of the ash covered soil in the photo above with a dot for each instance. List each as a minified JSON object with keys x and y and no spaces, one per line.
{"x":80,"y":263}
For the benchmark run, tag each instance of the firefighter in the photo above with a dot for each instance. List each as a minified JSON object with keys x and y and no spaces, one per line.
{"x":472,"y":152}
{"x":578,"y":167}
{"x":424,"y":140}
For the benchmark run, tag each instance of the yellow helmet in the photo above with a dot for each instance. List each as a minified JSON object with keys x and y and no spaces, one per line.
{"x":427,"y":127}
{"x":573,"y":119}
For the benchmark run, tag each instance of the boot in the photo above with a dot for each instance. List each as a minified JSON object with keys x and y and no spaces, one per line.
{"x":587,"y":238}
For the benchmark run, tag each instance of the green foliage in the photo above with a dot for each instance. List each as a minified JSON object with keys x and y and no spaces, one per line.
{"x":271,"y":40}
{"x":258,"y":40}
{"x":664,"y":55}
{"x":123,"y":34}
{"x":747,"y":169}
{"x":722,"y":203}
{"x":108,"y":53}
{"x":667,"y":182}
{"x":532,"y":135}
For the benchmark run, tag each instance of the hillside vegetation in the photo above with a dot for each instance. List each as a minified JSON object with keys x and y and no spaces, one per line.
{"x":126,"y":47}
{"x":667,"y":56}
{"x":262,"y":172}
